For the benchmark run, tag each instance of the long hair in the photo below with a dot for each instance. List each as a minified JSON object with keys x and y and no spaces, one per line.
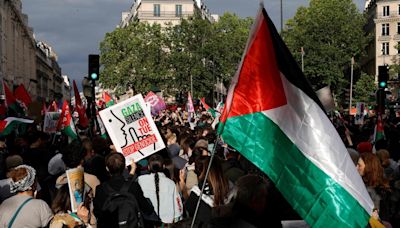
{"x":156,"y":163}
{"x":373,"y":172}
{"x":218,"y":182}
{"x":61,"y":202}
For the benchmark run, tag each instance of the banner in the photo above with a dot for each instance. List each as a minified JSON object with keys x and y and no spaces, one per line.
{"x":359,"y":118}
{"x":76,"y":186}
{"x":157,"y":104}
{"x":50,"y":122}
{"x":131,"y":129}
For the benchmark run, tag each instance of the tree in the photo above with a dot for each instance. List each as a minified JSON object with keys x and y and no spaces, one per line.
{"x":330,"y":33}
{"x":364,"y":87}
{"x":133,"y":57}
{"x":142,"y":55}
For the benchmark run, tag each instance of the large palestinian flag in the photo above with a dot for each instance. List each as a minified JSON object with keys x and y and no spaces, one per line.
{"x":273,"y":117}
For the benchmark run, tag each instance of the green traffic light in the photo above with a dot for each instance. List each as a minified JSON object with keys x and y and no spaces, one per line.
{"x":382,"y":84}
{"x":93,"y":76}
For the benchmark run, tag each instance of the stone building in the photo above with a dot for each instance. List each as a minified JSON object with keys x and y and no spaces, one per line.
{"x":17,"y":47}
{"x":384,"y":24}
{"x":164,"y":12}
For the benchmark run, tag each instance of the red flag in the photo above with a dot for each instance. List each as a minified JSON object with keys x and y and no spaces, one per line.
{"x":203,"y":102}
{"x":108,"y":100}
{"x":10,"y":99}
{"x":22,"y":95}
{"x":44,"y":108}
{"x":53,"y":107}
{"x":12,"y":103}
{"x":83,"y":120}
{"x":65,"y":123}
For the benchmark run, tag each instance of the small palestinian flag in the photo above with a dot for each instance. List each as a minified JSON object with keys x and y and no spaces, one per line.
{"x":108,"y":99}
{"x":10,"y":124}
{"x":65,"y":123}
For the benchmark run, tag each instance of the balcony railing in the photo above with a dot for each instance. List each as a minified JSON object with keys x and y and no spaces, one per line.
{"x":392,"y":14}
{"x":164,"y":14}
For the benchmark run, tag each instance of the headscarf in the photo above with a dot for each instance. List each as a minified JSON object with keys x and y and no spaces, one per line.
{"x":25,"y":183}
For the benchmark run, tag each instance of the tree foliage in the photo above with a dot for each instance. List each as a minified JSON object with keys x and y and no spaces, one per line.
{"x":142,"y":55}
{"x":364,"y":87}
{"x":330,"y":33}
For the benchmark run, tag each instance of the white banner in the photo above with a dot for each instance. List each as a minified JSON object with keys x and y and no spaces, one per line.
{"x":132,"y":129}
{"x":50,"y":122}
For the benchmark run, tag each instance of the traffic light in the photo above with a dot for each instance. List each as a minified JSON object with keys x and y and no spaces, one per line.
{"x":94,"y":66}
{"x":381,"y":100}
{"x":383,"y":76}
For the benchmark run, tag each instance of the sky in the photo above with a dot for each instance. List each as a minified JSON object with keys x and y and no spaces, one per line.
{"x":75,"y":28}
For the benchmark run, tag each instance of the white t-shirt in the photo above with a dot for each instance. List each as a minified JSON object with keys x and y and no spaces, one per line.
{"x":35,"y":213}
{"x":171,"y":207}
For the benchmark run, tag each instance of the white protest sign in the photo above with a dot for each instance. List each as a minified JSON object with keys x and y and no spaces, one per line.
{"x":132,"y":129}
{"x":50,"y":122}
{"x":359,"y":118}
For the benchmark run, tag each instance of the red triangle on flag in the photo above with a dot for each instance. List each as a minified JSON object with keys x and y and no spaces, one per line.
{"x":258,"y":77}
{"x":22,"y":95}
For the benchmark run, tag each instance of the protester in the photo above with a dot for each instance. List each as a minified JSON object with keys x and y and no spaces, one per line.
{"x":217,"y":191}
{"x":22,"y":209}
{"x":161,"y":191}
{"x":63,"y":215}
{"x":248,"y":208}
{"x":115,"y":163}
{"x":371,"y":171}
{"x":73,"y":157}
{"x":11,"y":162}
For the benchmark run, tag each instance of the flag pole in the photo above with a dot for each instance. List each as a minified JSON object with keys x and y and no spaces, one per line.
{"x":205,"y":180}
{"x":351,"y":85}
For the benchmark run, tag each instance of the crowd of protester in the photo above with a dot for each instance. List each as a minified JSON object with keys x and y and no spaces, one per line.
{"x":167,"y":185}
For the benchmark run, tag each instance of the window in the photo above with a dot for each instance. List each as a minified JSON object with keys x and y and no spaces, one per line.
{"x":156,"y":10}
{"x":385,"y":29}
{"x":178,"y":10}
{"x":398,"y":27}
{"x":386,"y":11}
{"x":385,"y":48}
{"x":398,"y":47}
{"x":399,"y":10}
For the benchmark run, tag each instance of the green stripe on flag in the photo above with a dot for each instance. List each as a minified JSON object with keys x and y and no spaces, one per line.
{"x":317,"y":198}
{"x":68,"y":131}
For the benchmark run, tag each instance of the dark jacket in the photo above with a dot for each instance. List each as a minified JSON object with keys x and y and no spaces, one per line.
{"x":105,"y":219}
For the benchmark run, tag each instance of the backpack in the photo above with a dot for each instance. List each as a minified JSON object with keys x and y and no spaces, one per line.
{"x":124,"y":204}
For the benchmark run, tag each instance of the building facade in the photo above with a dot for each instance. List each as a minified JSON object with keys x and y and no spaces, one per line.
{"x":25,"y":61}
{"x":50,"y":82}
{"x":17,"y":47}
{"x":164,"y":12}
{"x":66,"y":88}
{"x":384,"y":24}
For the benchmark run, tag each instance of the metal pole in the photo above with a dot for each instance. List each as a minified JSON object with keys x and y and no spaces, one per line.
{"x":281,"y":17}
{"x":191,"y":85}
{"x":351,"y":85}
{"x":302,"y":59}
{"x":205,"y":180}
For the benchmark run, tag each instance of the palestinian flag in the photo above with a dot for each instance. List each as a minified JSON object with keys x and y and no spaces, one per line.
{"x":22,"y":95}
{"x":108,"y":99}
{"x":273,"y":117}
{"x":379,"y":132}
{"x":80,"y":109}
{"x":13,"y":106}
{"x":65,"y":123}
{"x":207,"y":107}
{"x":10,"y":124}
